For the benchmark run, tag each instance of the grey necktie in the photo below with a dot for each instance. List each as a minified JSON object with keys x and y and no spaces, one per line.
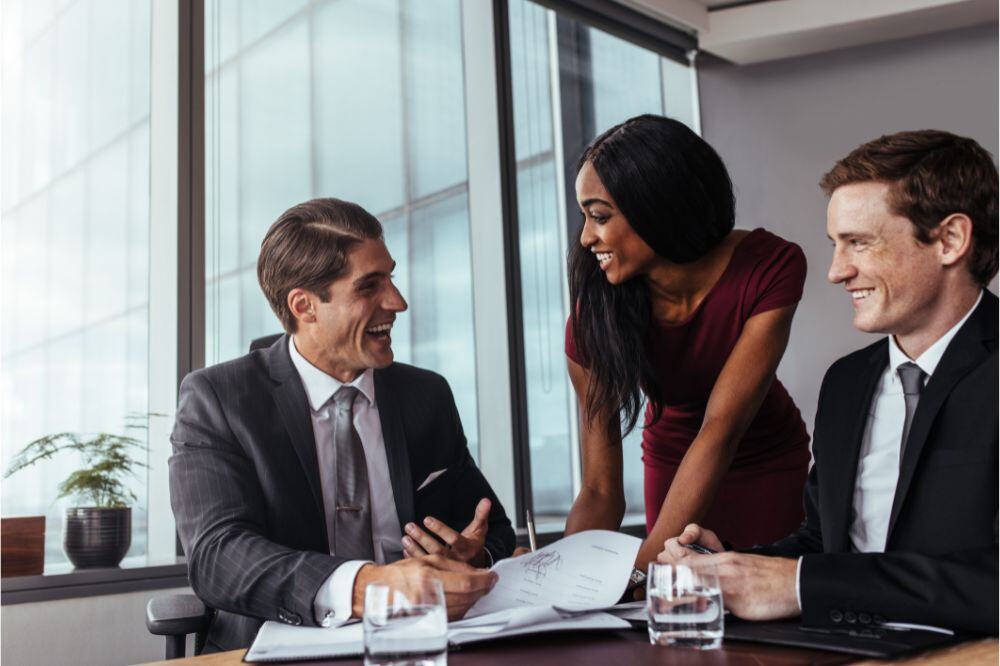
{"x":353,"y":521}
{"x":912,"y":378}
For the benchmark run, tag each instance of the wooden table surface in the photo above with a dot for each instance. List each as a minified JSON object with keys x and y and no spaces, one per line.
{"x":628,"y":648}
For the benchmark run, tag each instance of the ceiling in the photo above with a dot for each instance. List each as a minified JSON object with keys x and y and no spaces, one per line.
{"x":752,"y":31}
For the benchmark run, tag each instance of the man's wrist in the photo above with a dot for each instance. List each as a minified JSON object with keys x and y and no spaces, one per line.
{"x":361,"y":580}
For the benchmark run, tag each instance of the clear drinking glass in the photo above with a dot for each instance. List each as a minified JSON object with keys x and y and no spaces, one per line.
{"x":406,"y":626}
{"x":684,"y":605}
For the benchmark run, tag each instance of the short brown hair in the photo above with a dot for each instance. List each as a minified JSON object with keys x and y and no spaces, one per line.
{"x":931,"y":174}
{"x":307,"y":247}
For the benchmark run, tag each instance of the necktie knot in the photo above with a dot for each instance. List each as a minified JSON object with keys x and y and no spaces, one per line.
{"x":343,"y":399}
{"x":912,"y":378}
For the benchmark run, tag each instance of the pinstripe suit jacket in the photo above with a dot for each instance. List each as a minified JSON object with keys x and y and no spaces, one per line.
{"x":245,"y":484}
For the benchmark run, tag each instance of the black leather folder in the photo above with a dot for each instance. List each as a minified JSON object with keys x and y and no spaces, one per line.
{"x":863,"y":641}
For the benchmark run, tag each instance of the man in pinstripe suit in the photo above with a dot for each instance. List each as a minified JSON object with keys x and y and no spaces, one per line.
{"x":297,"y":468}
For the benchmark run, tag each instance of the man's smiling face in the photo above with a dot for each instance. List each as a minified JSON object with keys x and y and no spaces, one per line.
{"x":894,"y":280}
{"x":353,"y":328}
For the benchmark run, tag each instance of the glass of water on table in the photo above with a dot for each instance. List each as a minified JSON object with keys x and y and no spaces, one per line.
{"x":684,"y":606}
{"x":406,"y":626}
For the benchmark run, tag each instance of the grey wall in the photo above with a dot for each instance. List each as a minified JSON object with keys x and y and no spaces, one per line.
{"x":90,"y":631}
{"x":779,"y":126}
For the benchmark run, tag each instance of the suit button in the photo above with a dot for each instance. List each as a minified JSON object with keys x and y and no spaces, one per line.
{"x":878,"y":619}
{"x":850,"y":617}
{"x":836,"y":616}
{"x":289,"y":617}
{"x":864,"y":618}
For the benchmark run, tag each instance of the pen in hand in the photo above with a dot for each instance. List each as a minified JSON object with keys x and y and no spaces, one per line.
{"x":532,"y":537}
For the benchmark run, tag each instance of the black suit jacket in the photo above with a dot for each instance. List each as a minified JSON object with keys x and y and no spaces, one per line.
{"x":940,"y":562}
{"x":245,"y":484}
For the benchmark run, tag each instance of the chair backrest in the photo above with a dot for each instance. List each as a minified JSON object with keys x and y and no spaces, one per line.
{"x":264,"y":342}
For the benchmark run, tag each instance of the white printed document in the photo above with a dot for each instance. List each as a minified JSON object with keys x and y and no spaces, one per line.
{"x":586,"y":570}
{"x":564,"y":586}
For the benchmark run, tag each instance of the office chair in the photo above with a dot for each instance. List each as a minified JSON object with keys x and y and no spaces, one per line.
{"x":264,"y":342}
{"x":175,"y":616}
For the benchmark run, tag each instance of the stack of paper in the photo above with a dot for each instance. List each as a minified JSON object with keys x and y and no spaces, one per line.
{"x":565,"y":586}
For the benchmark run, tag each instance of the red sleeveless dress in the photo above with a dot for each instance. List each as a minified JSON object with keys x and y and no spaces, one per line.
{"x":760,"y":498}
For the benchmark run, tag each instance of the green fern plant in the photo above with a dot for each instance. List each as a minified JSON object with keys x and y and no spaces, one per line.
{"x":108,"y":459}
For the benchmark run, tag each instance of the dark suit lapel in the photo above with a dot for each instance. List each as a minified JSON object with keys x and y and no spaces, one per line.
{"x":293,"y":405}
{"x":396,"y":451}
{"x":855,"y":419}
{"x":964,"y":353}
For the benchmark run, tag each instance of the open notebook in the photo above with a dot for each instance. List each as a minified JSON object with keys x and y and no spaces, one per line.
{"x":567,"y":586}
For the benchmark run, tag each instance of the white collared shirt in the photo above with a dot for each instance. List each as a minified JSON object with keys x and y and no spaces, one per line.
{"x":878,"y":461}
{"x":333,"y":601}
{"x":881,"y":444}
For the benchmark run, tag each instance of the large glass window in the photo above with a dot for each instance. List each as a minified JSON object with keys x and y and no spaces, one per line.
{"x":570,"y":83}
{"x":361,"y":100}
{"x":75,"y":248}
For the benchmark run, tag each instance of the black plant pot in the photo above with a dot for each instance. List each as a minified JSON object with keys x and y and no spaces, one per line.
{"x":97,"y":537}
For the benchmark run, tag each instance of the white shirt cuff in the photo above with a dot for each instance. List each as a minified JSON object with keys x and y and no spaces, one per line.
{"x":332,"y":605}
{"x":798,"y":587}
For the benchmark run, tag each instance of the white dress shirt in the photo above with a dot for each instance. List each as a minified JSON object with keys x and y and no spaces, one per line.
{"x":878,"y":462}
{"x":333,"y":600}
{"x":881,"y":444}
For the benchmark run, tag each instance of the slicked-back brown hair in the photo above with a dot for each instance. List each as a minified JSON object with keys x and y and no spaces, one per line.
{"x":931,"y":174}
{"x":307,"y":248}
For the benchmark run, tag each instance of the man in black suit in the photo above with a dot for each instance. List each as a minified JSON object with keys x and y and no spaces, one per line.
{"x":297,"y":468}
{"x":901,"y":503}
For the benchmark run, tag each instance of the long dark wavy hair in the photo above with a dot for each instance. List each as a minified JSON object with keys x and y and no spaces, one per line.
{"x":675,"y":192}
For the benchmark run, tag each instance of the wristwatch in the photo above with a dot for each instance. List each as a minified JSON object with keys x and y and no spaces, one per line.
{"x":636,"y":579}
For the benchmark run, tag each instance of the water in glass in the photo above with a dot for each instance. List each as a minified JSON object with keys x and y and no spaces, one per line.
{"x":684,"y":606}
{"x":406,"y":627}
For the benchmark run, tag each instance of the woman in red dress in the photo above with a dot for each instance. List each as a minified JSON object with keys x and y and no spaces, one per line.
{"x":674,"y":304}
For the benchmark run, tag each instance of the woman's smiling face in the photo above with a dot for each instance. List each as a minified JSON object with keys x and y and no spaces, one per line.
{"x":619,"y":251}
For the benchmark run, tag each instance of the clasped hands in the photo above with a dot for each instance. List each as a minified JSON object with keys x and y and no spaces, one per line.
{"x":754,"y":587}
{"x":453,"y":562}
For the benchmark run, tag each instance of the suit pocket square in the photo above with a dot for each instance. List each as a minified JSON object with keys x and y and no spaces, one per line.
{"x":431,"y":477}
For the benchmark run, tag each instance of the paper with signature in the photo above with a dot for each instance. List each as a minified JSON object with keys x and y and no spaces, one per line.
{"x":586,"y":570}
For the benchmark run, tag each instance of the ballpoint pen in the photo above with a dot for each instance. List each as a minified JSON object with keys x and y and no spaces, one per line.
{"x":532,"y":537}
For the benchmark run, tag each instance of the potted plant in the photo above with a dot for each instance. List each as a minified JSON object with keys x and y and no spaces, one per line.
{"x":97,"y":532}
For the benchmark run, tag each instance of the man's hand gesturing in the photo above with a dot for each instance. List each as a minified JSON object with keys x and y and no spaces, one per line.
{"x":465,"y":546}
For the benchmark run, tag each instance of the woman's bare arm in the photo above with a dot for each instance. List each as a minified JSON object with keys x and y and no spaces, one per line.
{"x":601,"y":502}
{"x":732,"y":406}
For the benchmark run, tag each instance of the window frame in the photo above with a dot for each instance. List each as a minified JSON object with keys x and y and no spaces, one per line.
{"x":177,"y":268}
{"x":573,"y":132}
